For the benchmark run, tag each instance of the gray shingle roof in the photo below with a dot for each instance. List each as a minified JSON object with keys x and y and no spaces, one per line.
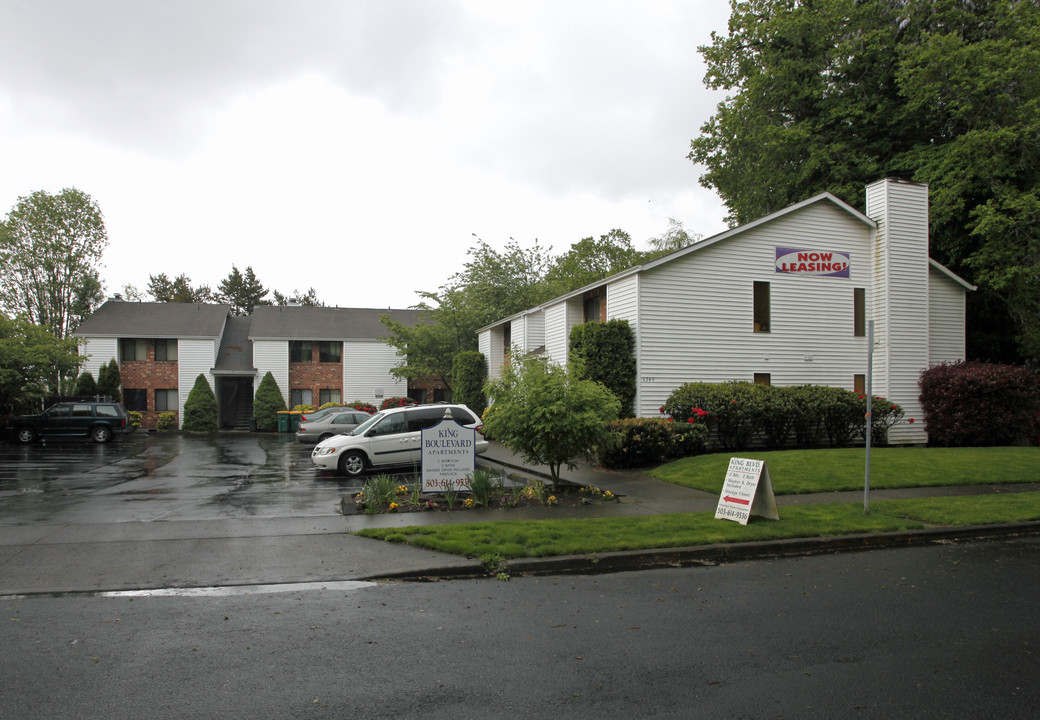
{"x":118,"y":318}
{"x":281,"y":322}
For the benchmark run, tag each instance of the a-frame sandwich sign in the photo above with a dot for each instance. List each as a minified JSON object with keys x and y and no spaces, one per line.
{"x":747,"y":491}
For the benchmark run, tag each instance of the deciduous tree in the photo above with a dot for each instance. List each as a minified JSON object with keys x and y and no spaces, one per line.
{"x":50,"y":252}
{"x":542,"y":412}
{"x":830,"y":94}
{"x":30,"y":359}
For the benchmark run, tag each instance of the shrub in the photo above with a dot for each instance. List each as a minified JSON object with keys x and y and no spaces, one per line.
{"x":484,"y":484}
{"x":267,"y":403}
{"x":734,"y":409}
{"x":843,"y":414}
{"x":135,"y":419}
{"x":468,"y":373}
{"x":303,"y":407}
{"x":807,"y":422}
{"x":167,"y":421}
{"x":636,"y":442}
{"x":364,"y":406}
{"x":779,"y":413}
{"x":85,"y":385}
{"x":200,"y":409}
{"x":396,"y":402}
{"x":604,"y":352}
{"x":109,"y":380}
{"x":980,"y":404}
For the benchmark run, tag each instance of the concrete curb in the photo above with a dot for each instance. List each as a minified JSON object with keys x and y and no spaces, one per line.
{"x":717,"y":554}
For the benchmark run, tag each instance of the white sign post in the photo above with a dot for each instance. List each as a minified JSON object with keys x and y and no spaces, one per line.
{"x":747,"y":491}
{"x":449,"y":453}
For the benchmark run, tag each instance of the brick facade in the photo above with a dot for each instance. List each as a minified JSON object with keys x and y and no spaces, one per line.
{"x":149,"y":375}
{"x":316,"y":376}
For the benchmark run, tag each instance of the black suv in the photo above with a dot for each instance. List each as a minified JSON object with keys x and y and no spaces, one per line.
{"x":99,"y":421}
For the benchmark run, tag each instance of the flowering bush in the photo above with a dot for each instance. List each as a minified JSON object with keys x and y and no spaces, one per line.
{"x":396,"y":402}
{"x":980,"y":404}
{"x":363,"y":407}
{"x":167,"y":421}
{"x":732,"y":409}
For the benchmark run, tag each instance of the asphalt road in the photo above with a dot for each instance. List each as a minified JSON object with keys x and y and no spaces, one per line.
{"x":944,"y":631}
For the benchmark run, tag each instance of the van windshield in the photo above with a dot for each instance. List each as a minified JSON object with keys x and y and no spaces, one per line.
{"x":363,"y":427}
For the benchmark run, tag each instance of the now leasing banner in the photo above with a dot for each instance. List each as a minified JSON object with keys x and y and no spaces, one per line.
{"x":825,"y":263}
{"x":449,"y":454}
{"x":747,"y":491}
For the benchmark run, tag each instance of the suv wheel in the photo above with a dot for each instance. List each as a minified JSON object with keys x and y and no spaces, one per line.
{"x":101,"y":434}
{"x":26,"y":435}
{"x":352,"y":463}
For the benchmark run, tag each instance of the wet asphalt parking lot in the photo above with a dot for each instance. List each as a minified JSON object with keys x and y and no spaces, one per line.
{"x":145,"y":477}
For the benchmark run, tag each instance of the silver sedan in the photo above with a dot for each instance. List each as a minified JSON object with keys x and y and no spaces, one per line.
{"x":333,"y":423}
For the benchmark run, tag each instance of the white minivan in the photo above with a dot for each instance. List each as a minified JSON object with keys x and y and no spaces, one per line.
{"x":390,"y":437}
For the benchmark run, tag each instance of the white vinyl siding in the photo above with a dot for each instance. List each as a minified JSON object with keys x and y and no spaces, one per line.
{"x":696,"y":312}
{"x":98,"y":352}
{"x":946,"y":317}
{"x":272,"y":356}
{"x":901,"y":211}
{"x":196,"y":357}
{"x":556,"y":333}
{"x":484,"y":346}
{"x":366,"y":372}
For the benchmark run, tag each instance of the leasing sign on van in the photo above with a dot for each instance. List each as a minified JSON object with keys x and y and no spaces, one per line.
{"x":825,"y":263}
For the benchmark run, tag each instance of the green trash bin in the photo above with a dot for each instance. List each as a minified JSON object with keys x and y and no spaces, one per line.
{"x":283,"y":421}
{"x":294,"y":420}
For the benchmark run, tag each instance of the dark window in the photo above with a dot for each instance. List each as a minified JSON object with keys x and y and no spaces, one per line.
{"x":859,"y":312}
{"x":390,"y":425}
{"x":135,"y":399}
{"x":507,"y":338}
{"x":166,"y":350}
{"x":762,"y":379}
{"x":441,"y":395}
{"x":592,"y":309}
{"x":859,"y":384}
{"x":62,"y":410}
{"x":107,"y":411}
{"x":330,"y":352}
{"x":300,"y":351}
{"x":82,"y":411}
{"x":300,"y":397}
{"x":761,"y":307}
{"x":417,"y":394}
{"x":132,"y":349}
{"x":166,"y":400}
{"x":329,"y":396}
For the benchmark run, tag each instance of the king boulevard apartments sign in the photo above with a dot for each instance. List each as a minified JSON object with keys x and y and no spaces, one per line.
{"x":825,"y":263}
{"x":449,"y":453}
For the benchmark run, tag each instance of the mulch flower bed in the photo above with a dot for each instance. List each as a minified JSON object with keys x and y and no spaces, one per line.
{"x":405,"y":499}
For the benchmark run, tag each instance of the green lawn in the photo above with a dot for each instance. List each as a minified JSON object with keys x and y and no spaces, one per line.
{"x":792,"y":471}
{"x":546,"y":538}
{"x":808,"y":471}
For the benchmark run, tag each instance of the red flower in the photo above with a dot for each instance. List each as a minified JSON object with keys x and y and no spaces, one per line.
{"x":910,"y":420}
{"x":691,"y":420}
{"x":895,"y":407}
{"x":662,"y":409}
{"x":671,"y":419}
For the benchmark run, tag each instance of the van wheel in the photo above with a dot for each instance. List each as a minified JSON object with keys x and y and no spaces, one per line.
{"x":101,"y":434}
{"x":26,"y":435}
{"x":352,"y":463}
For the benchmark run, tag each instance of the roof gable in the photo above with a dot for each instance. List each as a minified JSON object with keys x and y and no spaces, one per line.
{"x":298,"y":322}
{"x":117,"y":318}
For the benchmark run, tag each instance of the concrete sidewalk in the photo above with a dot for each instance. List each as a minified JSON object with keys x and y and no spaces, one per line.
{"x":178,"y":554}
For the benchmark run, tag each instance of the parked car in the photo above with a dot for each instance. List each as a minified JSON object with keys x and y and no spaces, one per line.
{"x":100,"y":421}
{"x":337,"y":422}
{"x":388,"y":438}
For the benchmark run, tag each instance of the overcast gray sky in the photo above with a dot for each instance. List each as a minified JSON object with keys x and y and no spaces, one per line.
{"x":355,"y":146}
